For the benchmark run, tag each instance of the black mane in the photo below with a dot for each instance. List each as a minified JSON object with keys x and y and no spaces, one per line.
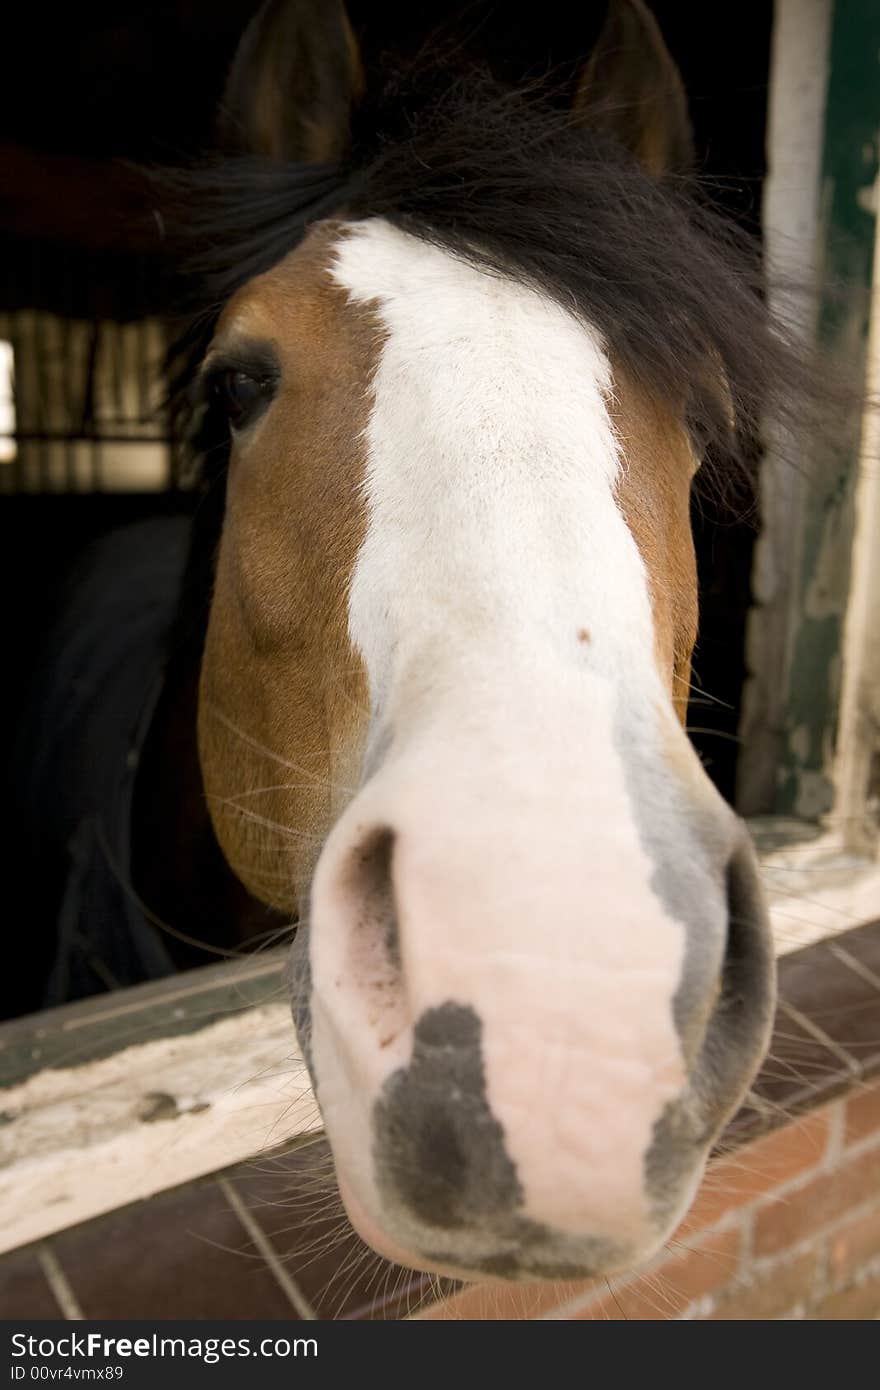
{"x":507,"y":181}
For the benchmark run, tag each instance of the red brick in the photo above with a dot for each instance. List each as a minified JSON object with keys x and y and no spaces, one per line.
{"x":777,"y":1292}
{"x":863,"y":1114}
{"x":854,"y":1245}
{"x":666,"y":1291}
{"x":505,"y":1302}
{"x":859,"y":1303}
{"x":796,"y":1215}
{"x":755,"y":1170}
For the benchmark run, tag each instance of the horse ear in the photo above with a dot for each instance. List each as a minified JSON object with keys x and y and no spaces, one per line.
{"x":632,"y":89}
{"x":294,"y":81}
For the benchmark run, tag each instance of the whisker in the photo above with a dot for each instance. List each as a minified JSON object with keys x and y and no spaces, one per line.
{"x":317,"y":781}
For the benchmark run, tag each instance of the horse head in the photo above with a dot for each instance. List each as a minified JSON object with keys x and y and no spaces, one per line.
{"x":443,"y":689}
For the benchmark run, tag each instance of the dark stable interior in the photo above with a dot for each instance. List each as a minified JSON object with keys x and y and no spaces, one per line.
{"x":98,"y":82}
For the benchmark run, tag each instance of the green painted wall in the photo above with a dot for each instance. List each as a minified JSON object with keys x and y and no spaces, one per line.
{"x":849,"y":172}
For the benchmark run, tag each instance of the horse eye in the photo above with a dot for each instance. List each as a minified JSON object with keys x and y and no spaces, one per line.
{"x":240,"y":395}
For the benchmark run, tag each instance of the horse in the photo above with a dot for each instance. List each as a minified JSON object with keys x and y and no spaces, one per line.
{"x":468,"y":356}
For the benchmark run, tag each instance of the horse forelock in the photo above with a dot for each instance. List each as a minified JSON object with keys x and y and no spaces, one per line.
{"x":504,"y":180}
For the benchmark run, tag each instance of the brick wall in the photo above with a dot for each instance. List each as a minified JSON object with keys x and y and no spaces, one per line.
{"x":786,"y":1227}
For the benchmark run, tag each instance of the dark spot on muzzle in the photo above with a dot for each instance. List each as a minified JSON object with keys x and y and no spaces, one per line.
{"x":441,"y":1160}
{"x":438,"y":1150}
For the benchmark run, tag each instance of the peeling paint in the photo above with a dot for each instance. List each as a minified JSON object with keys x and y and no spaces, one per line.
{"x":800,"y":741}
{"x":85,"y":1139}
{"x":851,"y":177}
{"x":157,"y":1105}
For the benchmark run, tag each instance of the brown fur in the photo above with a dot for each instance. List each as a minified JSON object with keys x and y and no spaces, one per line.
{"x":283,"y":696}
{"x":293,"y":83}
{"x":632,"y":88}
{"x":654,"y":496}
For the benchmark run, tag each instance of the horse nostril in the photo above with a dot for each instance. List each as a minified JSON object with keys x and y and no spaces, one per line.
{"x":747,"y":958}
{"x":374,"y":941}
{"x":373,"y":869}
{"x":738,"y":1031}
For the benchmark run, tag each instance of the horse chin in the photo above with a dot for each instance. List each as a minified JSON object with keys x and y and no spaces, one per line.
{"x":378,"y":1240}
{"x":572,"y":1259}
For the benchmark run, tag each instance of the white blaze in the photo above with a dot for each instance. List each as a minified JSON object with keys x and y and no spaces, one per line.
{"x":501,"y":607}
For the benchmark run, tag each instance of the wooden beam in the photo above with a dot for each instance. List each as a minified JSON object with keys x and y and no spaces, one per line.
{"x":90,"y":204}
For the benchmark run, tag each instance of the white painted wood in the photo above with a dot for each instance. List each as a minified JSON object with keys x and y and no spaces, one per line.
{"x":818,"y":888}
{"x":856,"y":814}
{"x":87,"y":1139}
{"x":791,"y":218}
